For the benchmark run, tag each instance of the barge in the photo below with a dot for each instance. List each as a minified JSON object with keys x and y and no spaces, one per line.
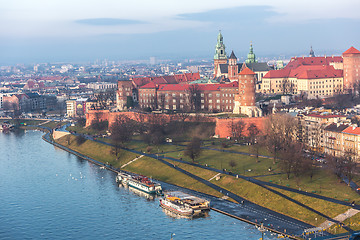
{"x":184,"y":204}
{"x":139,"y":182}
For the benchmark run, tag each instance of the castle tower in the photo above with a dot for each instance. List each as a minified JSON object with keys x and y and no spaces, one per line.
{"x":220,"y":55}
{"x":351,"y":61}
{"x":245,"y":99}
{"x":233,"y":67}
{"x":251,"y":58}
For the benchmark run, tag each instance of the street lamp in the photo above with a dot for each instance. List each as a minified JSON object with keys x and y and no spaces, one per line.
{"x":262,"y":230}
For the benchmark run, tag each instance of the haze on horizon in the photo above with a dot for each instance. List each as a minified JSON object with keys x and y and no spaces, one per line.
{"x":66,"y":30}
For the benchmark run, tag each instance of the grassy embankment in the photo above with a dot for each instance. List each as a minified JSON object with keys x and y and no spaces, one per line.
{"x":268,"y":199}
{"x":146,"y":166}
{"x":154,"y":168}
{"x":323,"y":183}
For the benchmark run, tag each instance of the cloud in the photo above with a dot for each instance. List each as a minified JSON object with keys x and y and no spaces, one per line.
{"x":241,"y":15}
{"x":107,"y":21}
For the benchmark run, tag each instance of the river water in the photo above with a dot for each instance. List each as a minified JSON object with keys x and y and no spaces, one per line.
{"x":47,"y":193}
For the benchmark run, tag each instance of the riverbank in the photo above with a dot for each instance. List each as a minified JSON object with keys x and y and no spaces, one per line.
{"x":249,"y":212}
{"x":65,"y":196}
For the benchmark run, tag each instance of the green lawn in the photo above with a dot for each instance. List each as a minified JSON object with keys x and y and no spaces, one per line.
{"x":323,"y":183}
{"x":100,"y":152}
{"x":153,"y":168}
{"x":266,"y":198}
{"x":244,"y":165}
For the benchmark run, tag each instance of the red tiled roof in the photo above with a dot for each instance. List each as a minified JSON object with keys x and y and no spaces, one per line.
{"x":169,"y":79}
{"x":149,"y":85}
{"x":298,"y":61}
{"x":246,"y":71}
{"x":173,"y":87}
{"x":327,"y":72}
{"x":352,"y":50}
{"x":306,"y":72}
{"x":281,"y":73}
{"x":202,"y":87}
{"x":141,"y":81}
{"x":187,"y":77}
{"x":352,"y":130}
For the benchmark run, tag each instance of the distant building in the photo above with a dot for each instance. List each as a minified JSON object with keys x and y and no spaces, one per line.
{"x":101,"y":85}
{"x":152,"y":60}
{"x":77,"y":107}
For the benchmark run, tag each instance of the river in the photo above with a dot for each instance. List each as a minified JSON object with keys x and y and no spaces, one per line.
{"x":48,"y":193}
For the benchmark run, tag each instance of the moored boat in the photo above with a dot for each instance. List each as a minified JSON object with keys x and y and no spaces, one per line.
{"x":185,"y":204}
{"x":139,"y":182}
{"x":174,"y":205}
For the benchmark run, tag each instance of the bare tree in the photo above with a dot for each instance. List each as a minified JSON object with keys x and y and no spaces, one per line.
{"x":349,"y":160}
{"x":232,"y":163}
{"x":122,"y":131}
{"x":237,"y":129}
{"x":193,"y":149}
{"x":253,"y":132}
{"x":154,"y":130}
{"x":280,"y":129}
{"x":291,"y":159}
{"x":287,"y":87}
{"x":194,"y":97}
{"x":161,"y":101}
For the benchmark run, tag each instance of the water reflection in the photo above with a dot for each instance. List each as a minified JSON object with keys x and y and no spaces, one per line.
{"x":149,"y":197}
{"x":178,"y":216}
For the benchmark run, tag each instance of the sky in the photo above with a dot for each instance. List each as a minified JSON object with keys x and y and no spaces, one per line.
{"x":33,"y":31}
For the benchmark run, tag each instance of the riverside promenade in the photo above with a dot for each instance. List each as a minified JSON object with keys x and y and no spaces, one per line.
{"x":243,"y":210}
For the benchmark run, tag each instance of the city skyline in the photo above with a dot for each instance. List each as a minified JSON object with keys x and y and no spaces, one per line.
{"x":39,"y":31}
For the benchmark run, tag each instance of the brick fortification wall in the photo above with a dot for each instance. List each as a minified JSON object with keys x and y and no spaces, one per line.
{"x":223,"y":125}
{"x":222,"y":128}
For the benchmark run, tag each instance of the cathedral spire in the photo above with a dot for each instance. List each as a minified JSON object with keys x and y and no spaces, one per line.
{"x":220,"y":48}
{"x":312,"y":54}
{"x":251,"y":58}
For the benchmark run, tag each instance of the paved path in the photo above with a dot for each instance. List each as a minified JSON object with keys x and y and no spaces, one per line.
{"x":131,"y":161}
{"x":340,"y":218}
{"x":44,"y":122}
{"x":214,"y":176}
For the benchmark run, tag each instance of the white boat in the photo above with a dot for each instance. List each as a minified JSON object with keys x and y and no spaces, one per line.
{"x":185,"y":204}
{"x":174,"y":205}
{"x":139,"y":182}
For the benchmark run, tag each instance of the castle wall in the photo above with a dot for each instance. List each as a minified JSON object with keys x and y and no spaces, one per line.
{"x":222,"y":128}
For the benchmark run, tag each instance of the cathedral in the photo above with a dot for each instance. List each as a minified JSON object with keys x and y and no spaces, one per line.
{"x":228,"y":68}
{"x":247,"y":74}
